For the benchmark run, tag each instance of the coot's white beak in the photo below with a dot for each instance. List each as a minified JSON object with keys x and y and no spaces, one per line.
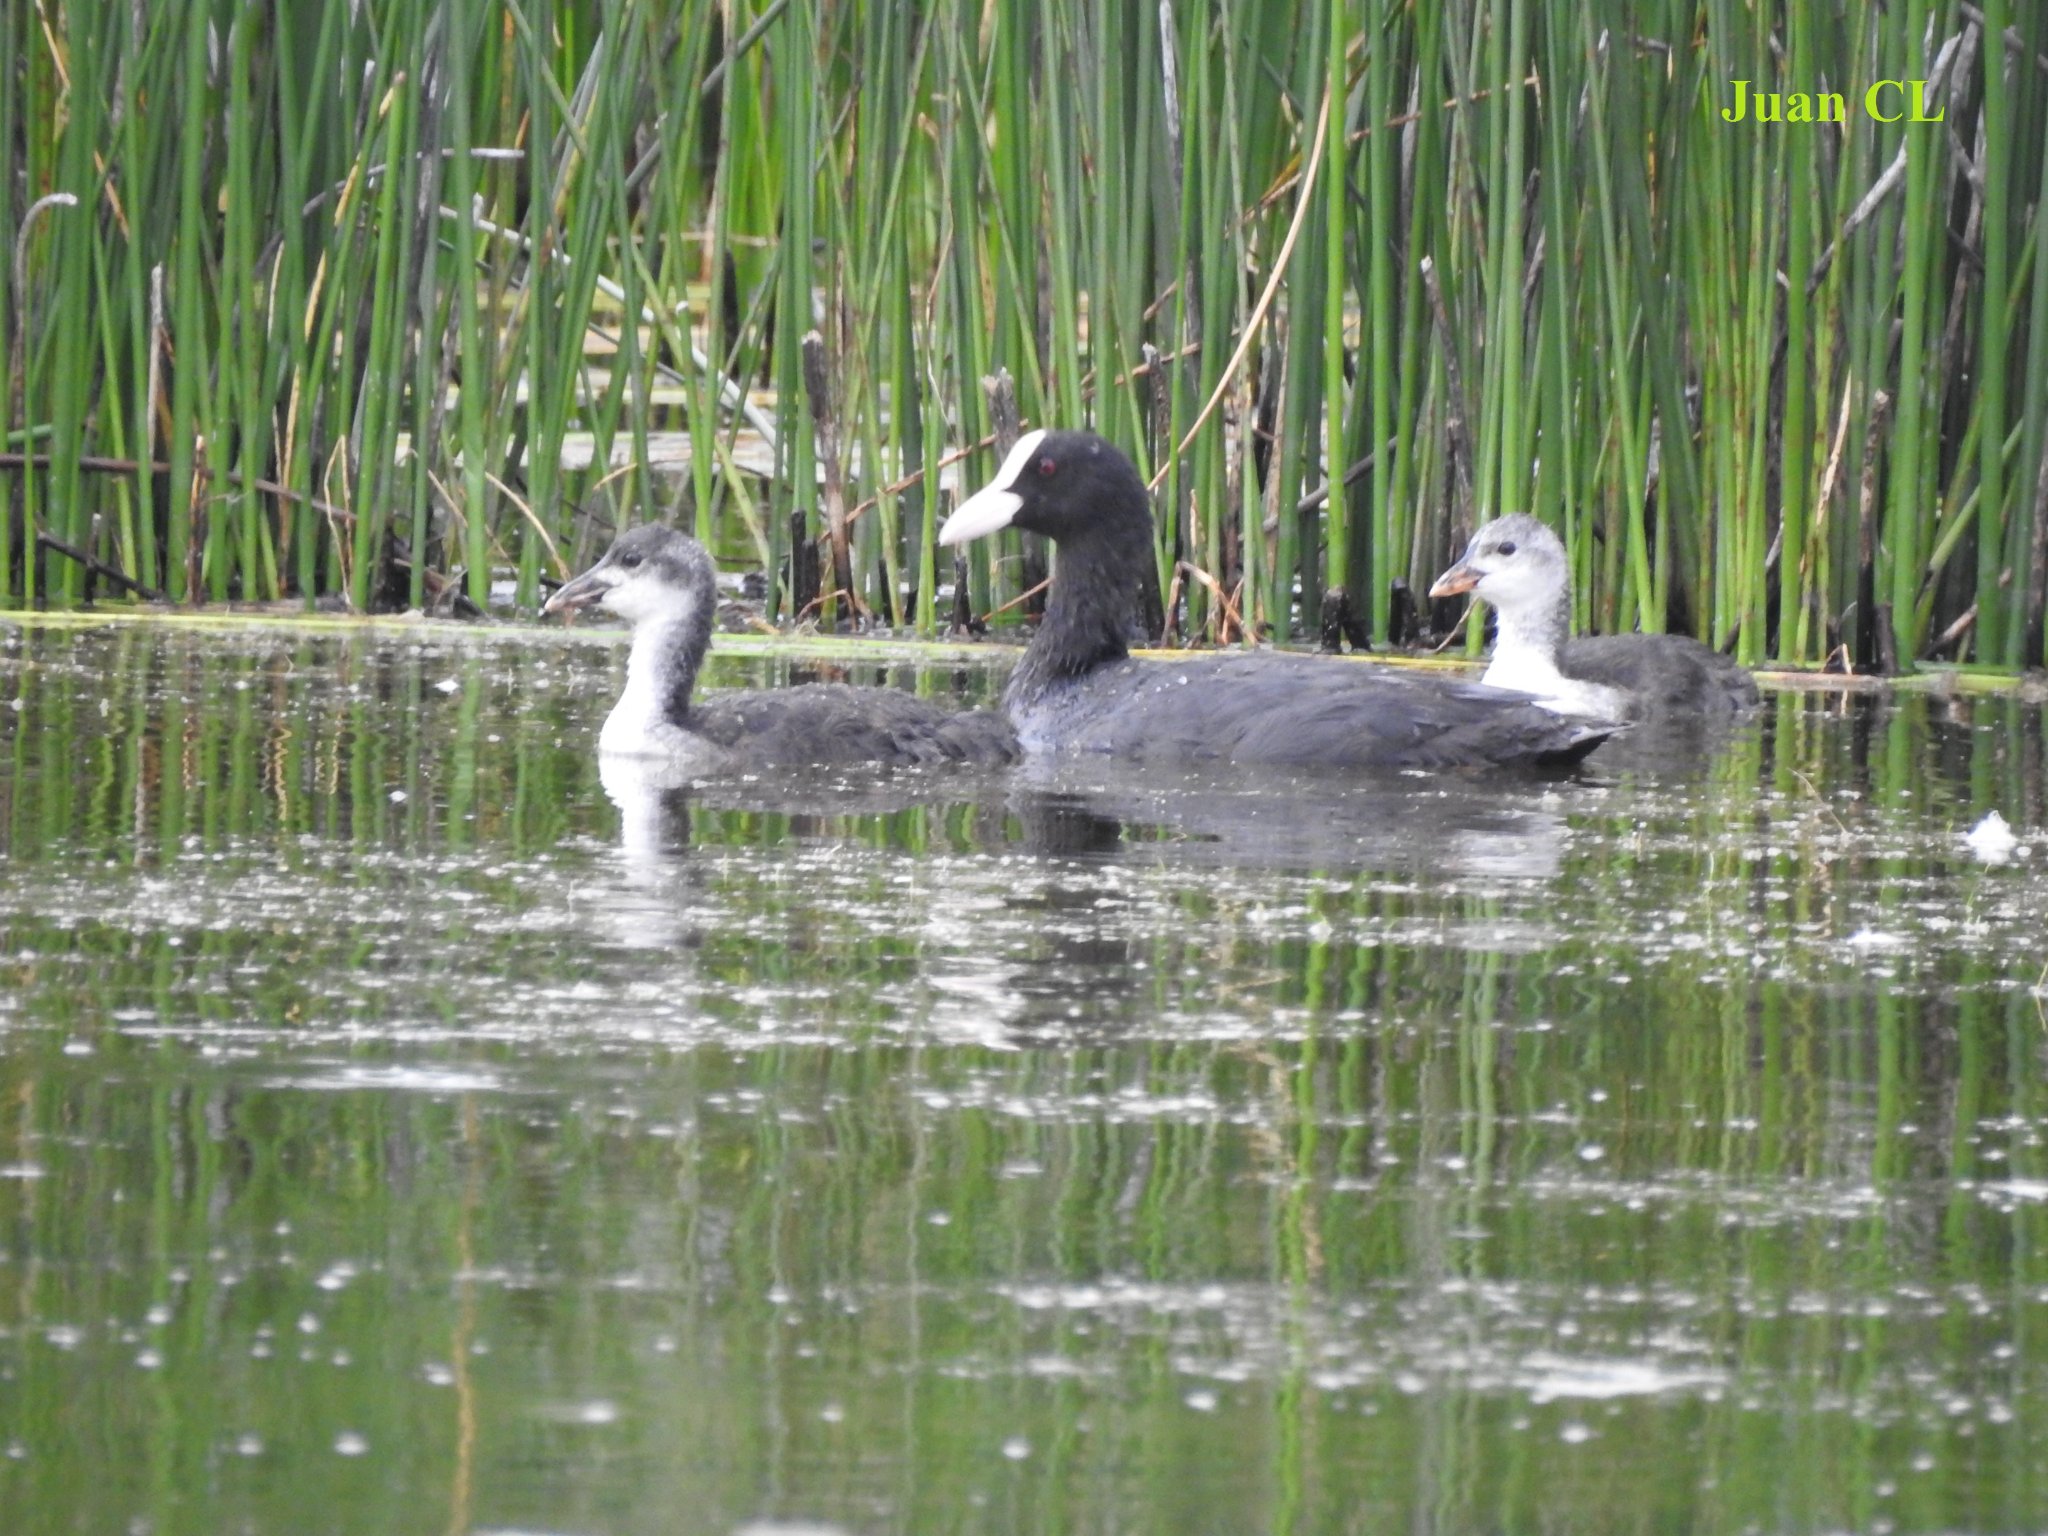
{"x":995,"y":504}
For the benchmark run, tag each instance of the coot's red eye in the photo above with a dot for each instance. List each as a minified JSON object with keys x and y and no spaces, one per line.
{"x":1046,"y":466}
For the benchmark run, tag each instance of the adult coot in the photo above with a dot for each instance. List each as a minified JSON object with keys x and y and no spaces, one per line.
{"x":662,"y":583}
{"x":1518,"y":565}
{"x":1077,"y":690}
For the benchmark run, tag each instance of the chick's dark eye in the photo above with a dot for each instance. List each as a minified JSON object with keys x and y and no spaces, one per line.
{"x":1046,"y":466}
{"x":629,"y":561}
{"x":1506,"y":547}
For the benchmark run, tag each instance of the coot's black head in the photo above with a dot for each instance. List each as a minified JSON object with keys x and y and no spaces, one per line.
{"x":1083,"y":494}
{"x":648,"y":573}
{"x":1069,"y":486}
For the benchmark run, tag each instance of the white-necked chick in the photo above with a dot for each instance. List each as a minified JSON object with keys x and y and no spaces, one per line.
{"x":1519,"y":566}
{"x":662,"y":583}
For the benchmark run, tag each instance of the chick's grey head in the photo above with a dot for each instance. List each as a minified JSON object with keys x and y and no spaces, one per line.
{"x":648,"y":574}
{"x":1514,"y":562}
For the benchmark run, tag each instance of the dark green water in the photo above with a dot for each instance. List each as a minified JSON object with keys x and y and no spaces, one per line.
{"x":384,"y":1147}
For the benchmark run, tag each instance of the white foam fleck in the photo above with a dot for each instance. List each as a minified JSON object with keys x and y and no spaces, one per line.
{"x":1991,"y":840}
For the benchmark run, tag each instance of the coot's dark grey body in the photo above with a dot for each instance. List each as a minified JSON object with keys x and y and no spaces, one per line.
{"x":1288,"y":711}
{"x":830,"y":724}
{"x":662,"y":583}
{"x":1078,"y":691}
{"x":1518,"y":565}
{"x":1665,"y":677}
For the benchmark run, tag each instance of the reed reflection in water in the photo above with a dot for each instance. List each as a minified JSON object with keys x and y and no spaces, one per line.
{"x":409,"y":1124}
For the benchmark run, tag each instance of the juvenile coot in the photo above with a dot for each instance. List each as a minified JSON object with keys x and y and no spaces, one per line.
{"x":661,"y":582}
{"x":1518,"y":565}
{"x":1077,"y":690}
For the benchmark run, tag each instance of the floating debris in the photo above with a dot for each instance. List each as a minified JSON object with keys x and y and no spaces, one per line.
{"x":1991,"y":840}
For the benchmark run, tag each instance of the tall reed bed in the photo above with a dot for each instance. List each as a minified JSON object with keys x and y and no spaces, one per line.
{"x":382,"y":299}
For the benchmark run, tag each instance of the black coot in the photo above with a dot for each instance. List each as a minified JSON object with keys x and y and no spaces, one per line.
{"x":1078,"y":691}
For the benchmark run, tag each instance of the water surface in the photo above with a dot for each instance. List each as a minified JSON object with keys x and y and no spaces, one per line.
{"x":398,"y":1134}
